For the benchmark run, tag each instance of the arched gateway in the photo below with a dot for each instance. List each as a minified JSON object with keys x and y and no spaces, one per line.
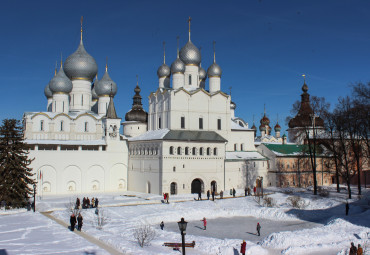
{"x":197,"y":186}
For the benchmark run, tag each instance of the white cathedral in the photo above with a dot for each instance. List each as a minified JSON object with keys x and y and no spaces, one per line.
{"x":189,"y":141}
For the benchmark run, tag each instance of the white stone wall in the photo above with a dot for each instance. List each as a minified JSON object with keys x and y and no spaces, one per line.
{"x":134,"y":128}
{"x":242,"y":140}
{"x":80,"y":95}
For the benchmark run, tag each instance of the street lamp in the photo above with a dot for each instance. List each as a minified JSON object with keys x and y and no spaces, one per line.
{"x":182,"y":226}
{"x":34,"y":197}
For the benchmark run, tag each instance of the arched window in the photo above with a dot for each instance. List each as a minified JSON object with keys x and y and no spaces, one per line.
{"x":215,"y":151}
{"x":86,"y":127}
{"x":186,"y":150}
{"x":208,"y":151}
{"x":61,"y":125}
{"x":174,"y":169}
{"x":201,"y":151}
{"x":178,"y":150}
{"x":194,"y":151}
{"x":173,"y":188}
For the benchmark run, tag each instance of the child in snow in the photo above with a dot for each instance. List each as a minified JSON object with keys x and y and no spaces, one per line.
{"x":243,"y":247}
{"x":161,"y":225}
{"x":204,"y":223}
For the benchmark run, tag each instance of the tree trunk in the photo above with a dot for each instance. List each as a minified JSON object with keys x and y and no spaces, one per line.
{"x":349,"y":188}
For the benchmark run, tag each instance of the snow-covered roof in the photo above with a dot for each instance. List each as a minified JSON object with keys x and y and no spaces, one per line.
{"x":244,"y":155}
{"x":180,"y":135}
{"x":68,"y":142}
{"x":236,"y":126}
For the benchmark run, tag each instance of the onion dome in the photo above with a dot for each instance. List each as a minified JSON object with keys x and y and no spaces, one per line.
{"x":265,"y":121}
{"x":277,"y":127}
{"x":214,"y":70}
{"x":254,"y":127}
{"x":47,"y":91}
{"x":262,"y":128}
{"x":60,"y":82}
{"x":202,"y":73}
{"x":178,"y":66}
{"x":80,"y":65}
{"x":190,"y":54}
{"x":137,"y":112}
{"x":163,"y":71}
{"x":106,"y":86}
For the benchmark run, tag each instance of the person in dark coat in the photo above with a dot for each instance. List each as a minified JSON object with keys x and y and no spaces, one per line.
{"x":213,"y":195}
{"x":347,"y":208}
{"x":234,"y":192}
{"x":246,"y":191}
{"x":249,"y":191}
{"x":360,"y":250}
{"x":258,"y":229}
{"x":199,"y":196}
{"x":221,"y":194}
{"x":208,"y":194}
{"x":167,"y":198}
{"x":84,"y":203}
{"x":78,"y":203}
{"x":96,"y":202}
{"x":161,"y":225}
{"x":353,"y":249}
{"x":87,"y":202}
{"x":73,"y":221}
{"x":79,"y":222}
{"x":243,"y":247}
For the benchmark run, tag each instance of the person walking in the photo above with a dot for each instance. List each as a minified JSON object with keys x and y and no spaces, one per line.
{"x":254,"y":190}
{"x":164,"y":197}
{"x":249,"y":191}
{"x":78,"y":203}
{"x":83,"y":203}
{"x":93,"y":202}
{"x":353,"y":249}
{"x":246,"y":191}
{"x":359,"y":250}
{"x":87,"y":203}
{"x":213,"y":195}
{"x":72,"y":220}
{"x":243,"y":247}
{"x":204,"y":223}
{"x":234,"y":192}
{"x":347,"y":208}
{"x":221,"y":194}
{"x":167,"y":197}
{"x":96,"y":202}
{"x":199,"y":195}
{"x":258,"y":229}
{"x":208,"y":194}
{"x":79,"y":222}
{"x":161,"y":225}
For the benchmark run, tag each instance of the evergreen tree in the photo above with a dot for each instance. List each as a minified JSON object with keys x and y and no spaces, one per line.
{"x":15,"y":175}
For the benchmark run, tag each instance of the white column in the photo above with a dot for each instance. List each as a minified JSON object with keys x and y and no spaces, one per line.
{"x":191,"y":76}
{"x":103,"y":105}
{"x":178,"y":80}
{"x":81,"y":95}
{"x":214,"y":84}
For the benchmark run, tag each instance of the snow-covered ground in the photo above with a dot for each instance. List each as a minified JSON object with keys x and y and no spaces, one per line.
{"x":320,"y":228}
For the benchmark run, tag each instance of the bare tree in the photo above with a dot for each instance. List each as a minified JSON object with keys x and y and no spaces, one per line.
{"x":144,"y":234}
{"x":71,"y":207}
{"x":101,"y":218}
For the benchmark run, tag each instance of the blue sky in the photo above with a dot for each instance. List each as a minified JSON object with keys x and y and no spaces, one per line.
{"x":263,"y":47}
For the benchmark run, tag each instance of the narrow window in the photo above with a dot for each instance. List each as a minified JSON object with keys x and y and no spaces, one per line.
{"x":86,"y":127}
{"x":208,"y":151}
{"x":219,"y":124}
{"x":171,"y":150}
{"x":242,"y":147}
{"x":178,"y":150}
{"x":182,"y":122}
{"x":42,"y":125}
{"x":183,"y":166}
{"x":189,"y":79}
{"x":215,"y":151}
{"x":186,"y":150}
{"x":82,"y":99}
{"x":63,"y":106}
{"x":174,"y":169}
{"x":201,"y":151}
{"x":200,"y":123}
{"x":235,"y":147}
{"x":194,"y":152}
{"x":159,"y":123}
{"x":61,"y":125}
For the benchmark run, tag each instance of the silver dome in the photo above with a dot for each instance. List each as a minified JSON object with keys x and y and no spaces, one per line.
{"x":47,"y":91}
{"x":190,"y":54}
{"x":177,"y":66}
{"x":60,"y":83}
{"x":106,"y":86}
{"x":202,"y":73}
{"x":80,"y":65}
{"x":163,"y":71}
{"x":93,"y":93}
{"x":214,"y":70}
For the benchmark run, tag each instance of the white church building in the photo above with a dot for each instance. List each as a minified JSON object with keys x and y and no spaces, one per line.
{"x":189,"y":141}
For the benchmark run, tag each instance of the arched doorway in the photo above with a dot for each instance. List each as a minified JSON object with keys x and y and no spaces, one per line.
{"x":197,"y":186}
{"x":214,"y":186}
{"x":173,"y":188}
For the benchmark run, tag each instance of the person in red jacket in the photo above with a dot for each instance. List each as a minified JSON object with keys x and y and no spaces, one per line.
{"x":204,"y":223}
{"x":243,"y":247}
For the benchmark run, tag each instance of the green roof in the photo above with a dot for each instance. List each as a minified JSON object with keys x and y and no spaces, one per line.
{"x":286,"y":149}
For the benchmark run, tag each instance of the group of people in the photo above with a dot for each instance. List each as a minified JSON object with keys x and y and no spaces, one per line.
{"x":86,"y":203}
{"x":355,"y":250}
{"x":73,"y":220}
{"x":213,"y":194}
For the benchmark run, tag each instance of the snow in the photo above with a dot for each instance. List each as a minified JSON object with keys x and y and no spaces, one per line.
{"x":151,"y":135}
{"x":243,"y":155}
{"x":236,"y":126}
{"x":319,"y":228}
